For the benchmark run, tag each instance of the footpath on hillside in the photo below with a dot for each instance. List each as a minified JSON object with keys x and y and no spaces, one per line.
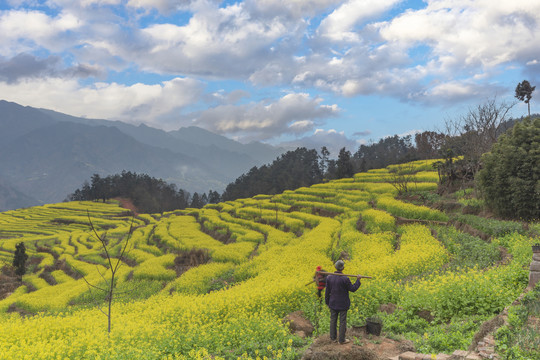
{"x":367,"y":346}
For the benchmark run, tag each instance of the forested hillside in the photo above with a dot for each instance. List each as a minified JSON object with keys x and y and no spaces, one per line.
{"x":216,"y":282}
{"x":146,"y":193}
{"x":45,"y":155}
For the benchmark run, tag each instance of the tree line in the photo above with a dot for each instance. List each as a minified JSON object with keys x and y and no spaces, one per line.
{"x":509,"y":181}
{"x":469,"y":137}
{"x":297,"y":168}
{"x":303,"y":167}
{"x":148,"y":194}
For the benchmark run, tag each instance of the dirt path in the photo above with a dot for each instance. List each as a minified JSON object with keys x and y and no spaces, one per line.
{"x":362,"y":346}
{"x":128,"y":204}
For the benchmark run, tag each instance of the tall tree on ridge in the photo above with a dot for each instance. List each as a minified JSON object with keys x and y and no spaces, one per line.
{"x":325,"y":155}
{"x":344,"y":164}
{"x":524,"y":92}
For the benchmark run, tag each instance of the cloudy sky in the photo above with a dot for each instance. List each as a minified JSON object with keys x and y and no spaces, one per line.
{"x":279,"y":71}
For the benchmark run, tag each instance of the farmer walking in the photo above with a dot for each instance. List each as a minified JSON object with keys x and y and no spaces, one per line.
{"x":337,"y":299}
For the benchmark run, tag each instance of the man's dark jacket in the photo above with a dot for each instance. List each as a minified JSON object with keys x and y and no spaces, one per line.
{"x":337,"y":291}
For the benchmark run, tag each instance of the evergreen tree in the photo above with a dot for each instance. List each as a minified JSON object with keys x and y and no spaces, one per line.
{"x":331,"y":171}
{"x":344,"y":164}
{"x":19,"y":259}
{"x":524,"y":92}
{"x":428,"y":144}
{"x":196,"y":201}
{"x":291,"y":170}
{"x":510,"y":178}
{"x":387,"y":151}
{"x":204,"y":199}
{"x":325,"y":155}
{"x":148,"y":194}
{"x":213,"y":197}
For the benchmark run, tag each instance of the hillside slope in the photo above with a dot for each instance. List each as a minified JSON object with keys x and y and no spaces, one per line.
{"x":216,"y":282}
{"x":11,"y":198}
{"x":46,"y":155}
{"x":50,"y":162}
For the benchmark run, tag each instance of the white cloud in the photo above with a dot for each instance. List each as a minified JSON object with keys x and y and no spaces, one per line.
{"x":219,"y":42}
{"x":459,"y":90}
{"x":463,"y":45}
{"x":164,"y":6}
{"x":87,"y":3}
{"x":23,"y":30}
{"x":470,"y":33}
{"x":28,"y":66}
{"x":340,"y":24}
{"x":136,"y":103}
{"x":293,"y":113}
{"x":332,"y":139}
{"x":301,"y":126}
{"x":290,"y":9}
{"x":446,"y":51}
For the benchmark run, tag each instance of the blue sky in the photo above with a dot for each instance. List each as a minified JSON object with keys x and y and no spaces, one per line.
{"x":295,"y":72}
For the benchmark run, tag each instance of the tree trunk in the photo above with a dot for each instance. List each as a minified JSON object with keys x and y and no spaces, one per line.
{"x":111,"y":289}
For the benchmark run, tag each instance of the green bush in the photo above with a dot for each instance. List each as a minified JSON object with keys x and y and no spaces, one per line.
{"x":455,"y":335}
{"x":491,"y":227}
{"x":467,"y":250}
{"x":510,"y":179}
{"x":19,"y":259}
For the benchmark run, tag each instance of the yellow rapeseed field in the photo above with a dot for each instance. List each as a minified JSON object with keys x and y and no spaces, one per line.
{"x":261,"y":257}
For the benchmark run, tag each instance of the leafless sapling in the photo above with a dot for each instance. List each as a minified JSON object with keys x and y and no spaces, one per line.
{"x":113,"y":265}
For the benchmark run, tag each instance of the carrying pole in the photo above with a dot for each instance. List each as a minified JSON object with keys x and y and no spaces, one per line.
{"x":338,"y":274}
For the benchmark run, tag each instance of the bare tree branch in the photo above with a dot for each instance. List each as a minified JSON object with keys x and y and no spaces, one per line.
{"x":109,"y":291}
{"x":102,"y":276}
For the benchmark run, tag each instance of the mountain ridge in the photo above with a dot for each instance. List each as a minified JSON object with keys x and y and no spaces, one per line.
{"x":45,"y":155}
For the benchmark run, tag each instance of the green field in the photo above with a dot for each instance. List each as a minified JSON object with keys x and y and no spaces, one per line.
{"x":254,"y":258}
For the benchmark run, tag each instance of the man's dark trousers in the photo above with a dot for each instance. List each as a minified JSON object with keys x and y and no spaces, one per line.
{"x":334,"y":314}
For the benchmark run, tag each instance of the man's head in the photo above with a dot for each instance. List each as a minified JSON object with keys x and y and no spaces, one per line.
{"x":340,"y":265}
{"x":319,"y":268}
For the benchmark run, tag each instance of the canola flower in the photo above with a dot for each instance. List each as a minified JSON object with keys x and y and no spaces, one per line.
{"x":378,"y":220}
{"x":232,"y":307}
{"x":410,"y":211}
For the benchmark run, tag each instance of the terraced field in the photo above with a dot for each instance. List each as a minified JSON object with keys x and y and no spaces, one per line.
{"x":216,"y":282}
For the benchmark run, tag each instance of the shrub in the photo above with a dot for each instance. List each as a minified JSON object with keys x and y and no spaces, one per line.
{"x":510,"y":178}
{"x":19,"y":259}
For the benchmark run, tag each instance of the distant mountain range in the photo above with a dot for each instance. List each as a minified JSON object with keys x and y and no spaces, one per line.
{"x":46,"y":155}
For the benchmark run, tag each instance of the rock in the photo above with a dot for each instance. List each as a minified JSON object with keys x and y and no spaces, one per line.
{"x":357,"y":331}
{"x":534,"y":278}
{"x":425,"y":314}
{"x":474,"y":210}
{"x":299,"y":324}
{"x":409,"y":355}
{"x":388,"y":308}
{"x":487,"y":349}
{"x":459,"y":355}
{"x":442,"y":356}
{"x":489,"y":340}
{"x":407,"y":345}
